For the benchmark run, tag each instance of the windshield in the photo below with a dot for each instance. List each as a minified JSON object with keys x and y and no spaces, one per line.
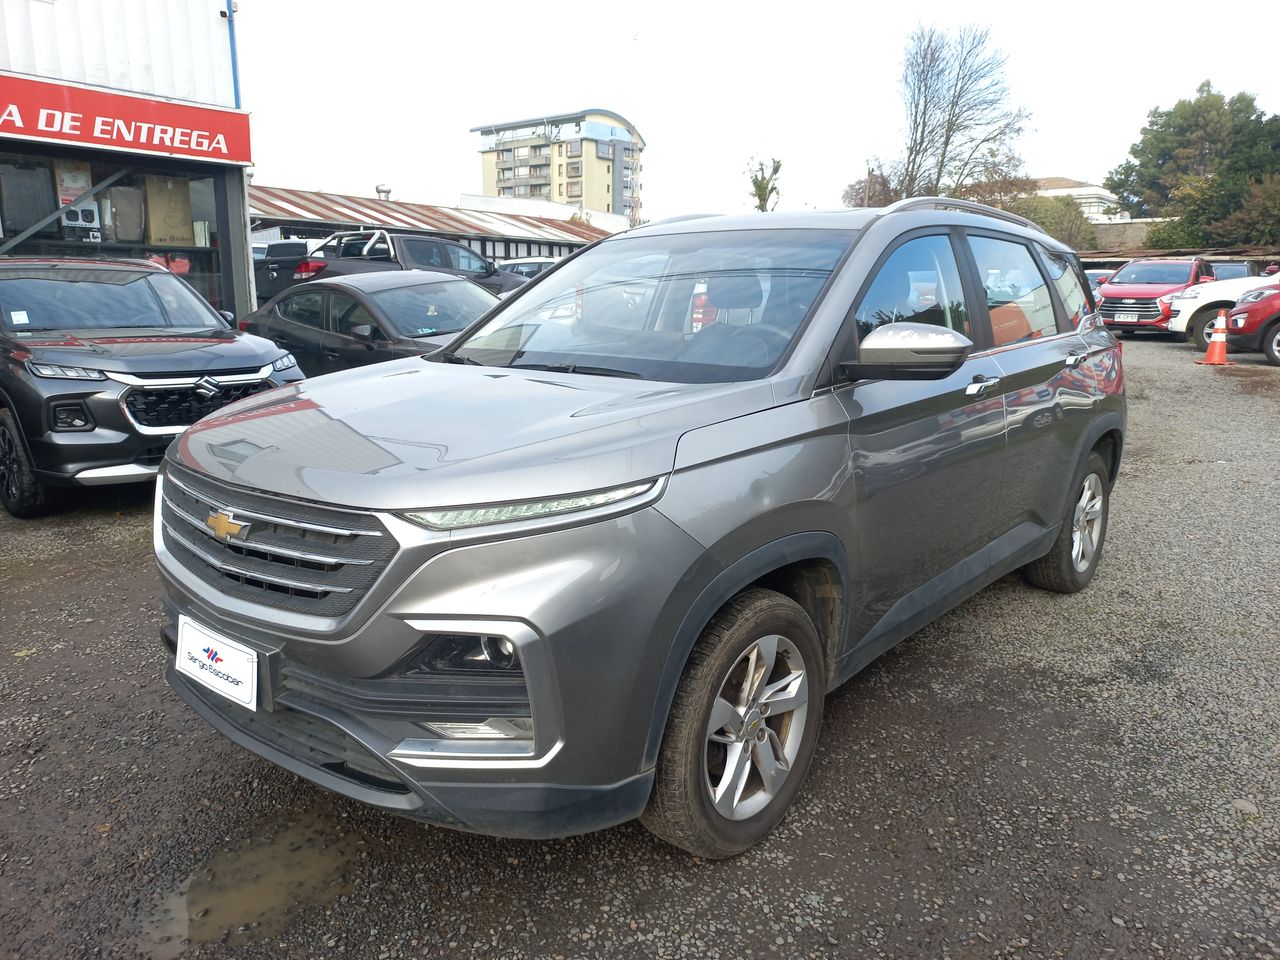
{"x":428,"y":309}
{"x":1154,"y":271}
{"x":690,"y":308}
{"x":84,"y":298}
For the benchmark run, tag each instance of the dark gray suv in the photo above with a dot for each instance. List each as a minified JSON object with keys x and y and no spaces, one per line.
{"x":604,"y":555}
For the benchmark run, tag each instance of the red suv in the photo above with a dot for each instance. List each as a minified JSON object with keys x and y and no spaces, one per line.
{"x":1136,"y":297}
{"x":1254,"y":323}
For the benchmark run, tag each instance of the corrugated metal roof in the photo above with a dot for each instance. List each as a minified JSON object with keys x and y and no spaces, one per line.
{"x":283,"y":204}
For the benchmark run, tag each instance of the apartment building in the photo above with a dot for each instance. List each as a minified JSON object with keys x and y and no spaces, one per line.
{"x":590,"y":159}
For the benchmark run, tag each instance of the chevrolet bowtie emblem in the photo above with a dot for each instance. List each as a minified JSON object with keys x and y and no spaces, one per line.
{"x":225,"y":526}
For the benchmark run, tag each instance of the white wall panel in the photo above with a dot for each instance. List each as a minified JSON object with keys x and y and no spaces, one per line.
{"x":178,"y":49}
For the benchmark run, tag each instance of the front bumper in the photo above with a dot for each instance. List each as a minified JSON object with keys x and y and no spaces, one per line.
{"x":591,"y":613}
{"x":115,"y":448}
{"x":1245,"y":342}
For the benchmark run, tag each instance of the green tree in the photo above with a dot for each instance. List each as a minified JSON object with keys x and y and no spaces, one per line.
{"x":764,"y":185}
{"x":1258,"y":219}
{"x":1179,"y":234}
{"x":1060,"y":217}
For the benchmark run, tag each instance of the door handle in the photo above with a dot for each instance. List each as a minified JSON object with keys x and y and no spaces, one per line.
{"x":1074,"y":360}
{"x":981,"y":385}
{"x":331,"y":354}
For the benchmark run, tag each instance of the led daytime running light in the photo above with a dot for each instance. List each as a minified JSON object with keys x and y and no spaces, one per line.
{"x":459,"y":517}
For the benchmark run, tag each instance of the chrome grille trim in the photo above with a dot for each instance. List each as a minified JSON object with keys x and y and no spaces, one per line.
{"x":257,"y":545}
{"x":268,"y":518}
{"x":223,"y":567}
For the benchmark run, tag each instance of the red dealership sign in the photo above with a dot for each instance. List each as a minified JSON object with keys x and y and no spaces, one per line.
{"x":64,"y":113}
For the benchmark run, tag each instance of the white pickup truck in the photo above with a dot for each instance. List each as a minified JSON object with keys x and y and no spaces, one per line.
{"x":1194,"y":309}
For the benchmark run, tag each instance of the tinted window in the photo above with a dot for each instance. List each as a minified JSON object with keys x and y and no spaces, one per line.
{"x":920,"y":283}
{"x":1018,"y":299}
{"x":464,"y":259}
{"x":627,"y":306}
{"x":421,"y":253}
{"x":428,"y":309}
{"x":82,"y":298}
{"x":304,"y":308}
{"x":346,"y":313}
{"x":1062,"y":270}
{"x":1154,"y":271}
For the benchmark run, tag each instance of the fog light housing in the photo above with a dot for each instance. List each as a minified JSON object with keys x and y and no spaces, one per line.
{"x":471,"y":654}
{"x":71,"y":417}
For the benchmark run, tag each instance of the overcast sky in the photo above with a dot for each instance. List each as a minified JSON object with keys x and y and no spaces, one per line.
{"x":348,"y":95}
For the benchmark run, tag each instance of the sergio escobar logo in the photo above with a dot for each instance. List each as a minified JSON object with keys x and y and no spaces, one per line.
{"x":209,"y":668}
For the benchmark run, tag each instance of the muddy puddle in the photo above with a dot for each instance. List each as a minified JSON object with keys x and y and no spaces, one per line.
{"x":253,"y":890}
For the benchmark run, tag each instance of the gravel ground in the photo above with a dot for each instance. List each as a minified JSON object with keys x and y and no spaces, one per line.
{"x":1031,"y":776}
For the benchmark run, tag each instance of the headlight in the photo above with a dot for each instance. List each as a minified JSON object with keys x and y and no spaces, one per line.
{"x":1253,"y":296}
{"x":55,"y":371}
{"x":284,"y":363}
{"x":1188,"y":294}
{"x":1167,"y":298}
{"x":455,"y":518}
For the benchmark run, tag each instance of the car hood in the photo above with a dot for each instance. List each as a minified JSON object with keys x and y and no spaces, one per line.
{"x":410,"y":434}
{"x":1139,"y":290}
{"x":150,"y":351}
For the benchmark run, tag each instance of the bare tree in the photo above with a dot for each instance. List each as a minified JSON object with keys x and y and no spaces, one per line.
{"x":958,"y":112}
{"x":764,"y":185}
{"x":873,"y":190}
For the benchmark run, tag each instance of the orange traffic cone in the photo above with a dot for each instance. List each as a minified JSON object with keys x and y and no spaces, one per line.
{"x":1216,"y":355}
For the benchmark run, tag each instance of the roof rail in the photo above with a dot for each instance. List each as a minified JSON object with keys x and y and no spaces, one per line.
{"x":964,"y":206}
{"x":680,"y":219}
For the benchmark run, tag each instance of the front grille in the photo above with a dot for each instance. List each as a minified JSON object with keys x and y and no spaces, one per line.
{"x":1146,"y":308}
{"x":293,"y":556}
{"x":183,"y":406}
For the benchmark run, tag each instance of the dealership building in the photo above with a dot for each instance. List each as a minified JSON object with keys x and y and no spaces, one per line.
{"x":115,"y":142}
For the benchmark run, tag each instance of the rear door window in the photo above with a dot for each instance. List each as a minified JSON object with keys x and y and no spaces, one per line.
{"x":1018,"y":298}
{"x":920,"y":282}
{"x":423,"y":254}
{"x":304,"y":308}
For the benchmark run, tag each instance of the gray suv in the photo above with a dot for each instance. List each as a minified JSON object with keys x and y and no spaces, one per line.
{"x":604,"y":555}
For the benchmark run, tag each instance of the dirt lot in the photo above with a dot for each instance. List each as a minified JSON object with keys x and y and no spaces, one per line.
{"x":1033,"y":775}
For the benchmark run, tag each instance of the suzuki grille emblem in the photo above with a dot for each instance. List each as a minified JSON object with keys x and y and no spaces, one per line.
{"x":208,"y":387}
{"x":225,"y":526}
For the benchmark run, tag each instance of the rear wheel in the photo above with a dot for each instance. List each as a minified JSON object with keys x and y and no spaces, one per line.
{"x":1271,"y":344}
{"x":20,"y":492}
{"x":742,"y":728}
{"x":1071,"y":562}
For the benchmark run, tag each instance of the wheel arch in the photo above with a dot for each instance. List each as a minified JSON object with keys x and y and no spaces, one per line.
{"x":811,"y":568}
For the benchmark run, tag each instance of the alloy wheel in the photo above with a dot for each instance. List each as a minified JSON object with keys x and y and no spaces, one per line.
{"x":1086,"y":531}
{"x":9,"y":468}
{"x":756,"y":726}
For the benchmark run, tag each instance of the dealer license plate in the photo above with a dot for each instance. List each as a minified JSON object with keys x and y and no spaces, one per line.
{"x":1125,"y":318}
{"x":224,"y":666}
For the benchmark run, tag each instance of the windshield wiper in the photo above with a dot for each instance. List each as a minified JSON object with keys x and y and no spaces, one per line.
{"x":577,"y":368}
{"x":446,"y":357}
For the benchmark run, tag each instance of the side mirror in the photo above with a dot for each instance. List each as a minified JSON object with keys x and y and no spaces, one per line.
{"x":228,"y":316}
{"x":909,"y":351}
{"x":363,"y":332}
{"x":490,"y":268}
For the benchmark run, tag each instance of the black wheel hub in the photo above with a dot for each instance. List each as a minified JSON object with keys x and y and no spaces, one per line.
{"x":8,"y":466}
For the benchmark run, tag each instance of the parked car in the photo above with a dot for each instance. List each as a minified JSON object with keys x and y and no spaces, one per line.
{"x":330,"y":325}
{"x":1193,"y":311}
{"x":1097,"y":278}
{"x":1253,"y":325}
{"x":528,"y":267}
{"x":1139,"y":295}
{"x":585,"y":564}
{"x":1235,"y":269}
{"x":370,"y":251}
{"x":102,"y":364}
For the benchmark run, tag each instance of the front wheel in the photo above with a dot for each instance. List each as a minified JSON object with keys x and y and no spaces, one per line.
{"x":20,"y":492}
{"x":1201,"y":328}
{"x":1072,"y":560}
{"x":742,"y":728}
{"x":1271,"y":344}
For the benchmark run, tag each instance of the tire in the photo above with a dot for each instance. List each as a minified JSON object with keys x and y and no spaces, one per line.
{"x":1199,"y":328}
{"x":20,"y":492}
{"x":1070,"y":563}
{"x":696,"y":760}
{"x":1271,"y":344}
